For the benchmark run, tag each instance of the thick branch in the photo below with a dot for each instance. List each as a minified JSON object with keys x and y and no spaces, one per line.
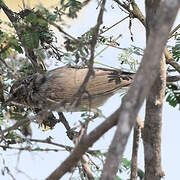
{"x":154,"y":104}
{"x":150,"y":68}
{"x":153,"y":125}
{"x":86,"y":142}
{"x":144,"y":78}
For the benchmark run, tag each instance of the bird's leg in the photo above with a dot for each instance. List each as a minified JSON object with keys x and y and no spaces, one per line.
{"x":42,"y":116}
{"x":70,"y":132}
{"x":47,"y":118}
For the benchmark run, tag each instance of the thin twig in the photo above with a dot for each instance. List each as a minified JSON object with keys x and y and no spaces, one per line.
{"x":22,"y":172}
{"x":83,"y":146}
{"x":73,"y":136}
{"x":1,"y":90}
{"x":87,"y":168}
{"x":91,"y":60}
{"x":139,"y":15}
{"x":62,"y":31}
{"x":114,"y":24}
{"x":28,"y":148}
{"x":15,"y":126}
{"x":70,"y":132}
{"x":49,"y":141}
{"x":5,"y":168}
{"x":174,"y":35}
{"x":107,"y":46}
{"x":174,"y":30}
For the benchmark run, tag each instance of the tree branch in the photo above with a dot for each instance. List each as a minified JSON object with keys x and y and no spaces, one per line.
{"x":171,"y":61}
{"x":14,"y":126}
{"x":72,"y":135}
{"x":153,"y":125}
{"x":115,"y":24}
{"x":13,"y":17}
{"x":136,"y":137}
{"x":136,"y":12}
{"x":174,"y":30}
{"x":28,"y":148}
{"x":1,"y":90}
{"x":83,"y":146}
{"x":143,"y":79}
{"x":140,"y":88}
{"x":92,"y":50}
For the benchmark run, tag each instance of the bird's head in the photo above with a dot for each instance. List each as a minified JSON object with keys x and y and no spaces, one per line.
{"x":18,"y":92}
{"x":22,"y":90}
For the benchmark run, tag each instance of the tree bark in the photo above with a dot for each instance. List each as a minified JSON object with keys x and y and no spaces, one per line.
{"x":144,"y":79}
{"x":134,"y":158}
{"x":1,"y":90}
{"x":131,"y":103}
{"x":154,"y":105}
{"x":153,"y":125}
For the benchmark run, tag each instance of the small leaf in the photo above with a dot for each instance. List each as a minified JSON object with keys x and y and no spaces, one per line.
{"x":3,"y":55}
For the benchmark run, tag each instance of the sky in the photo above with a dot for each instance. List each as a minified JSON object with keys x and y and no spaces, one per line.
{"x":39,"y":165}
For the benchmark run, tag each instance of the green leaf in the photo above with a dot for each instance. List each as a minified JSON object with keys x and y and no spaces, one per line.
{"x":42,"y":22}
{"x":172,"y":95}
{"x":3,"y":55}
{"x":117,"y":178}
{"x":126,"y":163}
{"x":18,"y":49}
{"x":140,"y":173}
{"x":32,"y":18}
{"x":15,"y":44}
{"x":72,"y":6}
{"x":176,"y":49}
{"x":52,"y":17}
{"x":31,"y":39}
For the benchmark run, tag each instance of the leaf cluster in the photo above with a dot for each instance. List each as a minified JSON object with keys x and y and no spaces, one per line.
{"x":173,"y":89}
{"x":8,"y":43}
{"x":176,"y":49}
{"x":72,"y":7}
{"x":34,"y":30}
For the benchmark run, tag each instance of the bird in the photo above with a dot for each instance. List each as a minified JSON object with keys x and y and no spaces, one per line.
{"x":54,"y":90}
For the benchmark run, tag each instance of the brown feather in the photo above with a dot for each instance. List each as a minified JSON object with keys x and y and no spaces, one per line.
{"x":60,"y":85}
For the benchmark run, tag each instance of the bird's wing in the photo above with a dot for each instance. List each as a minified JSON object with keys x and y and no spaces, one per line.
{"x":107,"y":81}
{"x":63,"y":83}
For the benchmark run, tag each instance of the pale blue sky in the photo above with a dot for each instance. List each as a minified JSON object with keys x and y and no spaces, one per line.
{"x":39,"y":165}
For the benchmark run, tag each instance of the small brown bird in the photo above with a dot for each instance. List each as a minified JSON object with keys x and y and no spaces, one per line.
{"x":55,"y":89}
